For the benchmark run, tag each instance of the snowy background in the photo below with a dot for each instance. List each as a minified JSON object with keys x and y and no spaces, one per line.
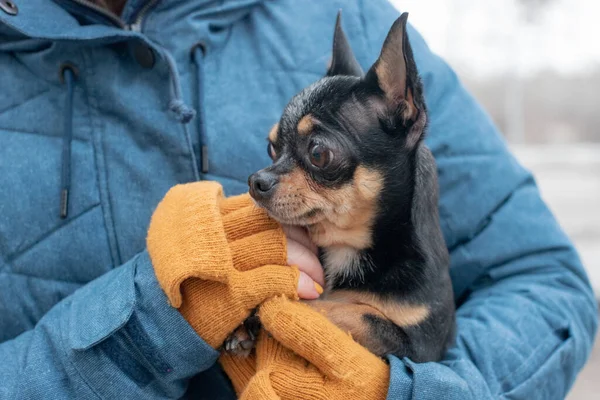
{"x":535,"y":66}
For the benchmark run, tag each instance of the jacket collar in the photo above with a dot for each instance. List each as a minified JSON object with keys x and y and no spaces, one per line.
{"x":66,"y":20}
{"x":45,"y":19}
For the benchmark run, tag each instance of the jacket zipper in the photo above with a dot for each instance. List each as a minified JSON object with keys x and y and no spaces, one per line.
{"x":136,"y":26}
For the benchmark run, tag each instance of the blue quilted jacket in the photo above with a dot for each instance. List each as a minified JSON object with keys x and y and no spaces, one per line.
{"x":100,"y":116}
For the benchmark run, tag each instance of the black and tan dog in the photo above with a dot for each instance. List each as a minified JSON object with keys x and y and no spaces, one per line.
{"x":350,"y":165}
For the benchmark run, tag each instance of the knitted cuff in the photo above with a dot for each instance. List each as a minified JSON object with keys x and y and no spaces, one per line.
{"x":186,"y":234}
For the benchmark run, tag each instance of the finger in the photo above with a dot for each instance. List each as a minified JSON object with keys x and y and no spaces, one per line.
{"x":310,"y":335}
{"x":259,"y":284}
{"x":299,"y":234}
{"x":272,"y":250}
{"x":254,"y":286}
{"x":307,"y":288}
{"x":246,"y":221}
{"x":305,"y":260}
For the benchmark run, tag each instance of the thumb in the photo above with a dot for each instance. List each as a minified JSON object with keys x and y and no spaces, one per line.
{"x":307,"y":288}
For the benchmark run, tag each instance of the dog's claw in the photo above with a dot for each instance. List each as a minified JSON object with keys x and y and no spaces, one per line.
{"x":240,"y":342}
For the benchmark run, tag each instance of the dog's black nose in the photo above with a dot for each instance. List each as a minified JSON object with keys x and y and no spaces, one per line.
{"x":262,"y":184}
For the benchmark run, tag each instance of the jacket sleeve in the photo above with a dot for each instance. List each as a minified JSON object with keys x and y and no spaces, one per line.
{"x":526,"y":314}
{"x":117,"y":334}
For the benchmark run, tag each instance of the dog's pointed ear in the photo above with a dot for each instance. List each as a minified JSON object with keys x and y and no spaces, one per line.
{"x":343,"y":61}
{"x":395,"y":73}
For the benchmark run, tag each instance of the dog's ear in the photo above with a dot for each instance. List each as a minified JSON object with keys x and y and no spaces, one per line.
{"x":343,"y":61}
{"x":395,"y":74}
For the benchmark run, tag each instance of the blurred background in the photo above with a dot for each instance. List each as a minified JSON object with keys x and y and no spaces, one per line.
{"x":535,"y":67}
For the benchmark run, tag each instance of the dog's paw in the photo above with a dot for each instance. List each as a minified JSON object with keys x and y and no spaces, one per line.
{"x":241,"y":342}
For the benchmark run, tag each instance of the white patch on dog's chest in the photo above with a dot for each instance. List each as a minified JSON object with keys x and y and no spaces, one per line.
{"x":342,"y":262}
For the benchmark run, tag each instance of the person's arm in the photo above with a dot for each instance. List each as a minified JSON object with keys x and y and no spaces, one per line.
{"x":527,"y":314}
{"x":115,"y":335}
{"x":216,"y":259}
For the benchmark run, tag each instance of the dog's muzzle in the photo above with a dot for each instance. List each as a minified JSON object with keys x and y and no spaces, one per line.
{"x":262,"y":185}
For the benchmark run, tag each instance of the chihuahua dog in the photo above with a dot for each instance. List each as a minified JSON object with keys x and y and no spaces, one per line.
{"x":350,"y":165}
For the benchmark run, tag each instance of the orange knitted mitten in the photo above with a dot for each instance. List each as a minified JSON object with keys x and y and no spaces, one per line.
{"x":217,"y":258}
{"x":306,"y":357}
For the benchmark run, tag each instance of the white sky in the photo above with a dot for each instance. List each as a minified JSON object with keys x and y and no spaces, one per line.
{"x":478,"y":36}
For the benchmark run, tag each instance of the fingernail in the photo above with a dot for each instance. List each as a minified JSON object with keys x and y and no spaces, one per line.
{"x":319,"y":288}
{"x":307,"y":288}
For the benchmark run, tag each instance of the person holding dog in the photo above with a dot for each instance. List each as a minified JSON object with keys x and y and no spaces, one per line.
{"x":109,"y":108}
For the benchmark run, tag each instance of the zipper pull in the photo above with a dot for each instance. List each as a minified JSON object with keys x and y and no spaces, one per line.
{"x":135,"y":27}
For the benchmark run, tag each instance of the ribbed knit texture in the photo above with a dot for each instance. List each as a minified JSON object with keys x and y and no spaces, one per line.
{"x":216,"y":258}
{"x":304,"y":356}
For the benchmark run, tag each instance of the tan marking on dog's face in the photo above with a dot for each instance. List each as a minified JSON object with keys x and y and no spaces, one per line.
{"x":273,"y":133}
{"x":341,"y":216}
{"x":352,"y":212}
{"x":306,"y":125}
{"x":289,"y":202}
{"x":401,"y":314}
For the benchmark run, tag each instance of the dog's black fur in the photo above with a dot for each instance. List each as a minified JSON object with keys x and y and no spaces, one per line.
{"x":351,"y":166}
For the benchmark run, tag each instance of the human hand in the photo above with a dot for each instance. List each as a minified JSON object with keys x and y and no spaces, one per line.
{"x":301,"y":253}
{"x":218,"y":258}
{"x":302,"y":355}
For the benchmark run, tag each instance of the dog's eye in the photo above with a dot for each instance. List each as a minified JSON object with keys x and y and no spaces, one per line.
{"x":271,"y":151}
{"x":320,"y":156}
